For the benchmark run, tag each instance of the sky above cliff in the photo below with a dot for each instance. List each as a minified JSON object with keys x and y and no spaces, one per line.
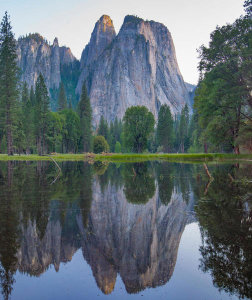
{"x":72,"y":21}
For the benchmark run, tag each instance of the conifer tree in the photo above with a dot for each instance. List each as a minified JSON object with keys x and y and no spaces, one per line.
{"x":8,"y":80}
{"x":41,"y":114}
{"x":62,"y":99}
{"x":183,"y":129}
{"x":103,"y":128}
{"x":85,"y":114}
{"x":165,"y":128}
{"x":27,"y":118}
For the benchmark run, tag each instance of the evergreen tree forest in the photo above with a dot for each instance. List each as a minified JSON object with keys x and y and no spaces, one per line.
{"x":220,"y":121}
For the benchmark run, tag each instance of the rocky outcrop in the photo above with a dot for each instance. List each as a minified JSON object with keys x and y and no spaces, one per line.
{"x":138,"y":67}
{"x":36,"y":56}
{"x":102,"y":35}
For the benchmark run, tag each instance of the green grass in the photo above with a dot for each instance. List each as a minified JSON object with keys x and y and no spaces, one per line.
{"x":211,"y":157}
{"x":195,"y":157}
{"x":34,"y":157}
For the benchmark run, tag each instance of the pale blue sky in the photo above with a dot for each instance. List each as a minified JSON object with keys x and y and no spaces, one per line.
{"x":72,"y":21}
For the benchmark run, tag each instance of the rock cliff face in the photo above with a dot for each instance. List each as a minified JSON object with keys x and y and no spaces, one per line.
{"x":102,"y":35}
{"x":138,"y":67}
{"x":36,"y":56}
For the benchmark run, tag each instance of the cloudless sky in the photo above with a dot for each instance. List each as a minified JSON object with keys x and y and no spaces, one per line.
{"x":72,"y":21}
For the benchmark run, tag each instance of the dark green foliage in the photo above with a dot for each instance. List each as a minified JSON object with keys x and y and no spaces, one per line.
{"x":100,"y":144}
{"x":28,"y":103}
{"x":118,"y":147}
{"x":71,"y":131}
{"x":62,"y":99}
{"x":103,"y":128}
{"x":56,"y":129}
{"x":114,"y":134}
{"x":137,"y":127}
{"x":8,"y":82}
{"x":183,"y":129}
{"x":165,"y":135}
{"x":223,"y":99}
{"x":85,"y":114}
{"x":41,"y":115}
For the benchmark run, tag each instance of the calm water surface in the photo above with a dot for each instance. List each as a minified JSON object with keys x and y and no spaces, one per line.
{"x":120,"y":231}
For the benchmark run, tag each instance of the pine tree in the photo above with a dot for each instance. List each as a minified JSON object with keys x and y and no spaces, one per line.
{"x":41,"y":114}
{"x":8,"y":80}
{"x":183,"y":129}
{"x":27,"y":118}
{"x":62,"y":99}
{"x":85,"y":114}
{"x":103,"y":128}
{"x":165,"y":128}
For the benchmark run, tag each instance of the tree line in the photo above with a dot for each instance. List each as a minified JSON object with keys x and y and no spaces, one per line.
{"x":221,"y":119}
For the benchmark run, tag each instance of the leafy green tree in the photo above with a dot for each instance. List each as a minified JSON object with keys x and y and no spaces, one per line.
{"x":138,"y":125}
{"x":85,"y":114}
{"x":223,"y":99}
{"x":118,"y":147}
{"x":41,"y":114}
{"x":165,"y":136}
{"x":100,"y":144}
{"x":62,"y":99}
{"x":8,"y":80}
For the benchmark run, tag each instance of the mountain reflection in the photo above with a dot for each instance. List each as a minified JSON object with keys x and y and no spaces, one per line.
{"x":128,"y":220}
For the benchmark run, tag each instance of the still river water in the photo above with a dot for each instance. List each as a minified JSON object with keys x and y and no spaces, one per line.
{"x":125,"y":231}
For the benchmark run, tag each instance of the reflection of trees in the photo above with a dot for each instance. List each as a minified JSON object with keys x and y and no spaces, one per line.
{"x":86,"y":193}
{"x":226,"y":228}
{"x":30,"y":203}
{"x":139,"y":184}
{"x":165,"y":178}
{"x":8,"y":234}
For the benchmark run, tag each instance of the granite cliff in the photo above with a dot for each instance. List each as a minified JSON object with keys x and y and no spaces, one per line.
{"x":55,"y":63}
{"x":138,"y":66}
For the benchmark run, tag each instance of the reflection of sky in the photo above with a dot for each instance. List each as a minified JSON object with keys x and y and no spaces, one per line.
{"x":75,"y":280}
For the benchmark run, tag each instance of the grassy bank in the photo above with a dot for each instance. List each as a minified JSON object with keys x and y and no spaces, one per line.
{"x":211,"y":157}
{"x":195,"y":157}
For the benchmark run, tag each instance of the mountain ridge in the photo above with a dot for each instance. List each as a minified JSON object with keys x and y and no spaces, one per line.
{"x":137,"y":66}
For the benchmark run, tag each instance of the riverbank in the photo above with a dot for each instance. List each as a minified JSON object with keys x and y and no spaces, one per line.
{"x":114,"y":157}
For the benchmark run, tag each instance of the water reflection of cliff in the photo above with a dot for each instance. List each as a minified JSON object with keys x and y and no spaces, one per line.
{"x":102,"y":212}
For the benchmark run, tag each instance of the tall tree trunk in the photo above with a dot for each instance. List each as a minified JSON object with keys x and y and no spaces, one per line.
{"x":39,"y":146}
{"x":236,"y":150}
{"x":205,"y":147}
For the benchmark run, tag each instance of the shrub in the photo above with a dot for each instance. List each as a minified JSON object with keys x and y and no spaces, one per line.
{"x":100,"y":144}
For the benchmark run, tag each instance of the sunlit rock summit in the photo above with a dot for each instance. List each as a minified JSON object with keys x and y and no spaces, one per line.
{"x":137,"y":66}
